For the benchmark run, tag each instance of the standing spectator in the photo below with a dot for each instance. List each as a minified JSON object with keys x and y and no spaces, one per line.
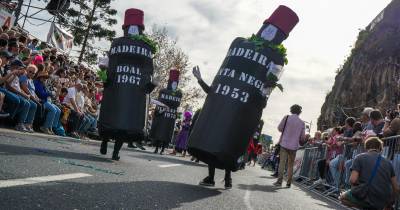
{"x":293,"y":132}
{"x":52,"y":119}
{"x":371,"y":169}
{"x":27,"y":114}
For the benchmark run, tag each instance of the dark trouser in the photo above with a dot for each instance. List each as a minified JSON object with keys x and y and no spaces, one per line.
{"x":117,"y":147}
{"x":160,"y":144}
{"x":211,"y":173}
{"x":321,"y":168}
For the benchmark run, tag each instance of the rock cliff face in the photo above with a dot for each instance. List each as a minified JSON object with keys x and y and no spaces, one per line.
{"x":370,"y":76}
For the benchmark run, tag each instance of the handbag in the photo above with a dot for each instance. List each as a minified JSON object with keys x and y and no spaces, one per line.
{"x":361,"y":191}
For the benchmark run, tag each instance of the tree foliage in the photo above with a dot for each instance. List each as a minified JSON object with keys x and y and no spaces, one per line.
{"x":172,"y":56}
{"x":90,"y":20}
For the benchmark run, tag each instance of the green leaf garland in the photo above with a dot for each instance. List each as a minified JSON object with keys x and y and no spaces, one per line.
{"x":153,"y":45}
{"x":102,"y":73}
{"x":262,"y":43}
{"x":272,"y":82}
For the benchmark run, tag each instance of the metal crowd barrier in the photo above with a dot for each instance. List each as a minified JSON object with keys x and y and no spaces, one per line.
{"x":309,"y":169}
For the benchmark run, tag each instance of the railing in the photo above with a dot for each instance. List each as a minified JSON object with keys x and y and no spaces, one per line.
{"x":337,"y":183}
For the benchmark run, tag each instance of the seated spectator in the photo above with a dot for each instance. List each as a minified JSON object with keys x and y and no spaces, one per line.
{"x":75,"y":114}
{"x":52,"y":119}
{"x":392,"y":128}
{"x":63,"y":93}
{"x":372,"y":169}
{"x":25,"y":106}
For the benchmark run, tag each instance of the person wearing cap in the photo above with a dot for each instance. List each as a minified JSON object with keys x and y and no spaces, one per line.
{"x":25,"y":108}
{"x":293,"y":132}
{"x":52,"y":118}
{"x":225,"y":144}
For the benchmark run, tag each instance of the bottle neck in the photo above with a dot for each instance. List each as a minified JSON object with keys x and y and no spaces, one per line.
{"x":271,"y":33}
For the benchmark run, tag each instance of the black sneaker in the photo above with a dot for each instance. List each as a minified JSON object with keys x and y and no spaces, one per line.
{"x":228,"y":183}
{"x":275,"y":175}
{"x":130,"y":145}
{"x":103,"y":148}
{"x":207,"y":182}
{"x":140,"y":146}
{"x":115,"y":157}
{"x":288,"y":185}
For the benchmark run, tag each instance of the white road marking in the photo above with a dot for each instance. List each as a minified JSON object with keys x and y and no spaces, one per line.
{"x":247,"y":200}
{"x":169,"y":165}
{"x":41,"y":179}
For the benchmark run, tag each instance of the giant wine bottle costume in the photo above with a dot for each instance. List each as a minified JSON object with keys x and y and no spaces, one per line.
{"x":164,"y":118}
{"x":239,"y":92}
{"x":130,"y":69}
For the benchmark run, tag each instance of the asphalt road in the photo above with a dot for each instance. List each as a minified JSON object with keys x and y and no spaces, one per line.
{"x":42,"y":172}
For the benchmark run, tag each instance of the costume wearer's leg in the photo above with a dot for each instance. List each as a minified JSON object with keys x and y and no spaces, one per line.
{"x":209,"y":180}
{"x":227,"y":174}
{"x":211,"y":172}
{"x":103,"y":147}
{"x":282,"y":163}
{"x":162,"y":148}
{"x":228,"y":179}
{"x":291,"y":157}
{"x":157,"y":144}
{"x":117,"y":147}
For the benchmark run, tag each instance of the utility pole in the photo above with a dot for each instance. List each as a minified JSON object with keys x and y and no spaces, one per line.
{"x":18,"y":11}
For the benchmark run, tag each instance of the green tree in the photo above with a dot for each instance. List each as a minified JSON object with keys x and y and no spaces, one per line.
{"x":89,"y":20}
{"x":169,"y":56}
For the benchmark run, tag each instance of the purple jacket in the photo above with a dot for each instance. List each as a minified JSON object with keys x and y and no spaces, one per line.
{"x":293,"y":133}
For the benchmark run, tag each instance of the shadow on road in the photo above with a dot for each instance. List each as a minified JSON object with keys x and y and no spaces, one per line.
{"x":124,"y":195}
{"x":166,"y":158}
{"x":20,"y":150}
{"x":256,"y":187}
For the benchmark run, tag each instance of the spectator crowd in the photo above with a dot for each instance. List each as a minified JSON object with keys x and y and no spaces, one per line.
{"x":42,"y":90}
{"x":350,"y":153}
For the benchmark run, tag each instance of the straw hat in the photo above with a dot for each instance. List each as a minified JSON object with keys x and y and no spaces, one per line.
{"x":43,"y":74}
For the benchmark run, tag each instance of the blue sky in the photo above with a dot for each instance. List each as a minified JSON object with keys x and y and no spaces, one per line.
{"x":316,"y":47}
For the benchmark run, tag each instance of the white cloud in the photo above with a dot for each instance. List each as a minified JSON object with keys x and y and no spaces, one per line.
{"x":316,"y":47}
